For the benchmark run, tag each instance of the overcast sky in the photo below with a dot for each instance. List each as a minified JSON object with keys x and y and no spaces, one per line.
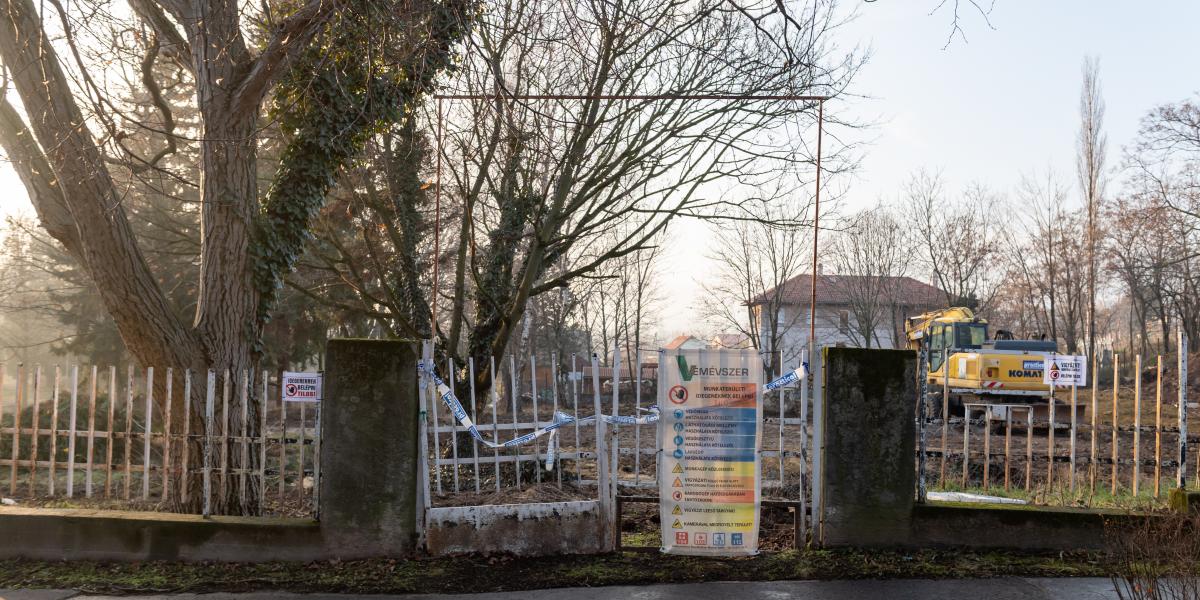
{"x":1002,"y":103}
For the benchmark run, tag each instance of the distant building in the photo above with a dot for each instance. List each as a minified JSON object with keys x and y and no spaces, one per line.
{"x":731,"y":341}
{"x":686,"y":342}
{"x":839,"y":299}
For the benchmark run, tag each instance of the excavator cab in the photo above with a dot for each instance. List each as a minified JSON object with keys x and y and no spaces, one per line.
{"x":955,"y":336}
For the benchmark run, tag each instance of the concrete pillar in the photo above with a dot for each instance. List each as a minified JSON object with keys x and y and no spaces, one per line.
{"x":870,"y":446}
{"x":369,"y":451}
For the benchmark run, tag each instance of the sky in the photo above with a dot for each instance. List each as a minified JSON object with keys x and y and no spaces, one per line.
{"x":1001,"y":103}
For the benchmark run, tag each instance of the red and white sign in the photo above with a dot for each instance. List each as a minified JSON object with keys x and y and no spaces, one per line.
{"x":301,"y":387}
{"x":1065,"y":370}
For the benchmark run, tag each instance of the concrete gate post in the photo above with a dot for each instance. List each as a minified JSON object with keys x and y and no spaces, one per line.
{"x":870,"y":445}
{"x":369,"y":450}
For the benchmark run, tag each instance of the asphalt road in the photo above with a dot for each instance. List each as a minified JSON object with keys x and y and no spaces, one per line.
{"x":972,"y":589}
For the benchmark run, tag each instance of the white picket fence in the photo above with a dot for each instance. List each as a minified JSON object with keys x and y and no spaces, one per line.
{"x":87,"y":437}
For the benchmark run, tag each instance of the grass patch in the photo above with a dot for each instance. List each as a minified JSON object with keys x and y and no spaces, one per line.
{"x":501,"y":573}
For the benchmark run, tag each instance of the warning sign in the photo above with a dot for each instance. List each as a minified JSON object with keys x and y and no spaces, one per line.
{"x":710,"y":482}
{"x":301,"y":387}
{"x":1065,"y":370}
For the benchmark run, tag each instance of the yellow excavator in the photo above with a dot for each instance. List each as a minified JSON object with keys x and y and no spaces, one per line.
{"x":981,"y":369}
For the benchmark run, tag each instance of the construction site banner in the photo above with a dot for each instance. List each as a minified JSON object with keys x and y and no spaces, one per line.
{"x":709,"y":439}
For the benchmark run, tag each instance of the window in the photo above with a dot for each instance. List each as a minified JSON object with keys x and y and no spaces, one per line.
{"x":782,"y":316}
{"x":843,"y":322}
{"x":970,"y":335}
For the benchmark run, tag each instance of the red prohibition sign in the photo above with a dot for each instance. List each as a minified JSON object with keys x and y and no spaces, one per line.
{"x":678,"y":394}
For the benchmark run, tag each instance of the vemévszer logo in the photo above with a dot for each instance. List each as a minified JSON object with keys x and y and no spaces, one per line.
{"x":721,"y":371}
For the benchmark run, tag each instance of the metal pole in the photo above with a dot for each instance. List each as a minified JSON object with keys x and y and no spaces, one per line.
{"x":812,"y":307}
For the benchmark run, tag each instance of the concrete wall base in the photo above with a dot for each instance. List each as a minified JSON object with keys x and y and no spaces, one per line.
{"x":110,"y":535}
{"x":1008,"y":527}
{"x":522,"y":529}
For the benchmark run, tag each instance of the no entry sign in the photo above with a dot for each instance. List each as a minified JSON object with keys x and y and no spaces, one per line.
{"x":301,"y":387}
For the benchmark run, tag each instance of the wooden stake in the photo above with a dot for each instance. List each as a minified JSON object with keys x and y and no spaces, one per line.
{"x":966,"y":444}
{"x":1007,"y":445}
{"x":945,"y":419}
{"x":987,"y":448}
{"x":1137,"y":420}
{"x":1116,"y":436}
{"x":1074,"y":425}
{"x":1028,"y":449}
{"x":1158,"y":428}
{"x":1095,"y":453}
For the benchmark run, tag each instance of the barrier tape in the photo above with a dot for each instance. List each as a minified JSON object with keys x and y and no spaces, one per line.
{"x":561,"y":419}
{"x":789,"y":378}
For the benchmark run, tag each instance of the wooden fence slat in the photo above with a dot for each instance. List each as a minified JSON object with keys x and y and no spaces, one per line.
{"x":53,"y":469}
{"x":209,"y":418}
{"x":638,"y":456}
{"x":282,"y":443}
{"x":168,"y":467}
{"x":109,"y":442}
{"x":226,"y":390}
{"x":147,"y":430}
{"x":71,"y":429}
{"x":185,"y":471}
{"x":16,"y":441}
{"x":35,"y":429}
{"x":300,"y":451}
{"x":451,"y":380}
{"x":1050,"y":449}
{"x":3,"y":372}
{"x":474,"y":442}
{"x":512,"y":368}
{"x":262,"y":445}
{"x":244,"y":430}
{"x":91,"y":443}
{"x":495,"y":424}
{"x":128,"y":431}
{"x":533,"y":394}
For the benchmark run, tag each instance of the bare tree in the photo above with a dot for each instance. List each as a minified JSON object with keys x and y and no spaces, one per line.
{"x":581,"y":130}
{"x":749,"y":292}
{"x":338,"y":71}
{"x":1091,"y":149}
{"x":869,"y":255}
{"x":960,"y":241}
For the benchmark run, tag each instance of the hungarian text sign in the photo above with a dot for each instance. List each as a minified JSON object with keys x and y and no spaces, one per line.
{"x":1065,"y":370}
{"x":709,"y":433}
{"x":301,"y":387}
